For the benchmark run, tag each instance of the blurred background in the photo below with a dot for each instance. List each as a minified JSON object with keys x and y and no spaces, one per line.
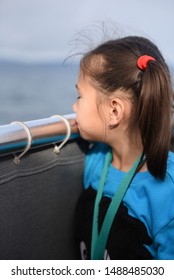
{"x":37,"y":36}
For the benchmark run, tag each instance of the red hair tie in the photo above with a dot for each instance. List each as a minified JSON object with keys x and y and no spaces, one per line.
{"x":143,"y":60}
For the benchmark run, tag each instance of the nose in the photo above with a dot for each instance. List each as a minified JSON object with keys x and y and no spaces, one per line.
{"x":75,"y":107}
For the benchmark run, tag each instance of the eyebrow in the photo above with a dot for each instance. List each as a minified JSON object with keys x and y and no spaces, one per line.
{"x":77,"y":87}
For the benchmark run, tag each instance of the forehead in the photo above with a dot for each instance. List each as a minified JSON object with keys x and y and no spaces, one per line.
{"x":87,"y":89}
{"x":84,"y":81}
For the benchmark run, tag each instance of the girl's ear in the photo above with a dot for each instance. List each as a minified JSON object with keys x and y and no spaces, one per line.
{"x":116,"y":112}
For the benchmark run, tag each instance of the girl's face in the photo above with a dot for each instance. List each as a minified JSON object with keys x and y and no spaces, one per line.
{"x":88,"y":109}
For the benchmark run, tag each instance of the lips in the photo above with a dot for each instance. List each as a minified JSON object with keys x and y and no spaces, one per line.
{"x":76,"y":124}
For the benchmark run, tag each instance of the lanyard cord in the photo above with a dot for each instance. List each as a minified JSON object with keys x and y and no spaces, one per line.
{"x":99,"y":240}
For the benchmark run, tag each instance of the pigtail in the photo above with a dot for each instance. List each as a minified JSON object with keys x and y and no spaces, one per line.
{"x":154,"y":114}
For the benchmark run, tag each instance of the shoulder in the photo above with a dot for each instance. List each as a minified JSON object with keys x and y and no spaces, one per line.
{"x":161,"y":195}
{"x":163,"y":190}
{"x":94,"y":161}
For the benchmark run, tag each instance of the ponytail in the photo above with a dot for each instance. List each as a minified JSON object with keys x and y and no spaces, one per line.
{"x":154,"y":115}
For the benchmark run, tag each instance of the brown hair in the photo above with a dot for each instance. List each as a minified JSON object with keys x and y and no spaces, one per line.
{"x":113,"y":65}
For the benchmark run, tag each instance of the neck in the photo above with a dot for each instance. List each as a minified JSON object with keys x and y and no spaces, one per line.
{"x":125,"y":152}
{"x":124,"y":161}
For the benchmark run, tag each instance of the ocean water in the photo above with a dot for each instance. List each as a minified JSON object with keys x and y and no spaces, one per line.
{"x":36,"y":91}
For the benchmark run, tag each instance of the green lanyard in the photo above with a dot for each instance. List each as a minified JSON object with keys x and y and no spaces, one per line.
{"x":99,"y":240}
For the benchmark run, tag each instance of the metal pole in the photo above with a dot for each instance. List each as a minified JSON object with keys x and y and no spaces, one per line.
{"x":13,"y":137}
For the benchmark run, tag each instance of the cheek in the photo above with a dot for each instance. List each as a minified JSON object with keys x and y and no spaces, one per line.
{"x":92,"y":128}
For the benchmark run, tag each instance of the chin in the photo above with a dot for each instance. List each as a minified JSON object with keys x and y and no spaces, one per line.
{"x":85,"y":137}
{"x":89,"y":137}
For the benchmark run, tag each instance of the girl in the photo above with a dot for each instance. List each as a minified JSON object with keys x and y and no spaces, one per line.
{"x":126,"y":210}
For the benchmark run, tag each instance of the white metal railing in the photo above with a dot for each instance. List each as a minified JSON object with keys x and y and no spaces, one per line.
{"x":21,"y":136}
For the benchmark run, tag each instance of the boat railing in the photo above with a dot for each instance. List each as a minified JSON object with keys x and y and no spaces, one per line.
{"x":21,"y":136}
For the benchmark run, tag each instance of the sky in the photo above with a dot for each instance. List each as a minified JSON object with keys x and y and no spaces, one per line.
{"x":45,"y":30}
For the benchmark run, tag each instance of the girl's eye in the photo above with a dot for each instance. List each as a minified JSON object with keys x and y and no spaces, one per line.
{"x":78,"y":97}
